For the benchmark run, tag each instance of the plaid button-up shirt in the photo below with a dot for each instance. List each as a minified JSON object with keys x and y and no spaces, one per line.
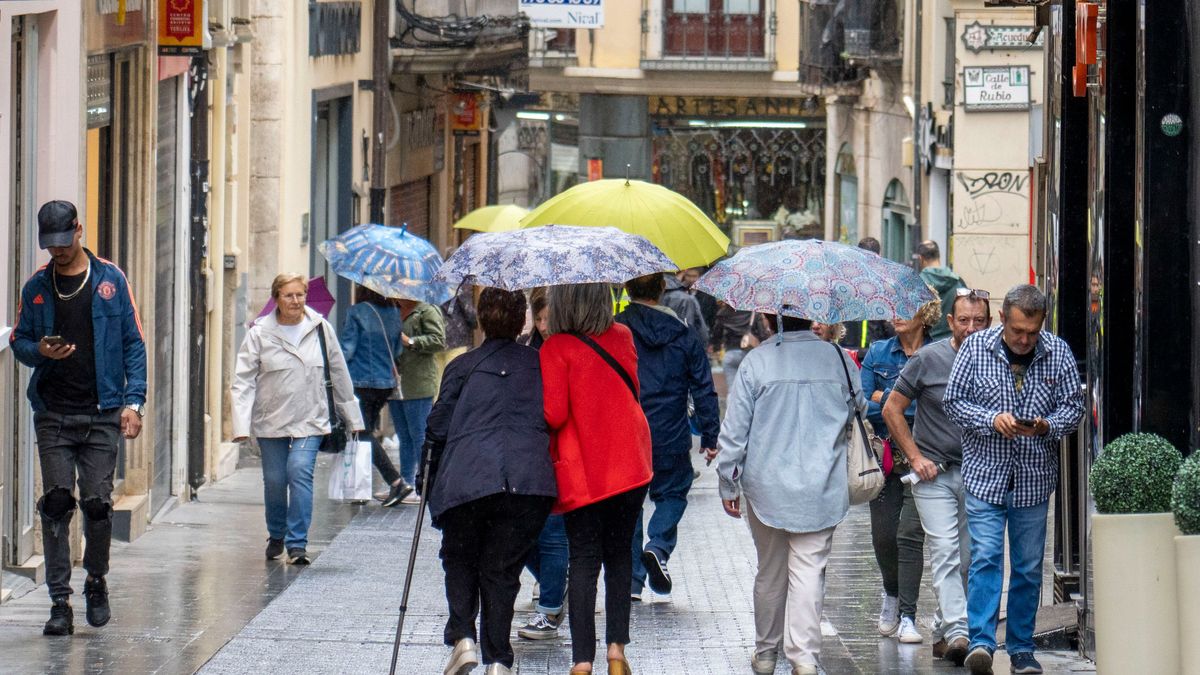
{"x":982,"y":386}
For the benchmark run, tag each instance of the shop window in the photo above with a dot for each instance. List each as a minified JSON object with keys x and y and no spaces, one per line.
{"x":847,"y":197}
{"x":717,"y":28}
{"x":897,"y":235}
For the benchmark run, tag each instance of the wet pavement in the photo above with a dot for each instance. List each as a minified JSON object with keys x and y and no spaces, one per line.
{"x":339,"y":615}
{"x":178,"y":593}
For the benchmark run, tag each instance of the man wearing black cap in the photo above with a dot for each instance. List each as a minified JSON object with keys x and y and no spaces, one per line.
{"x":78,"y":328}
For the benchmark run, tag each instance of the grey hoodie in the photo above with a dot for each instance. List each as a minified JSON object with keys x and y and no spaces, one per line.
{"x":685,"y":306}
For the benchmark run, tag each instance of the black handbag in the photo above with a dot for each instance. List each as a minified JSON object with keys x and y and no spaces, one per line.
{"x":335,"y":440}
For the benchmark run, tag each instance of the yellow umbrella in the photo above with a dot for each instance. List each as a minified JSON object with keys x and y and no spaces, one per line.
{"x":668,"y":219}
{"x":493,"y":219}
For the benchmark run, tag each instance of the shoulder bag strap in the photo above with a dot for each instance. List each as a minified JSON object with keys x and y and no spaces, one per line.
{"x":849,"y":380}
{"x":325,"y":363}
{"x":612,"y":362}
{"x":387,"y":341}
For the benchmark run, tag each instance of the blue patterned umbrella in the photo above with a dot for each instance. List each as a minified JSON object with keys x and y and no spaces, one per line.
{"x":818,"y":280}
{"x":387,"y":260}
{"x":553,"y":255}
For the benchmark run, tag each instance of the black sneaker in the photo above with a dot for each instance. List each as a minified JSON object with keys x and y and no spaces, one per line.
{"x":62,"y":619}
{"x":1023,"y":663}
{"x":95,"y":592}
{"x":397,"y":493}
{"x":298,"y":556}
{"x":274,"y":548}
{"x":541,"y":627}
{"x":657,"y":576}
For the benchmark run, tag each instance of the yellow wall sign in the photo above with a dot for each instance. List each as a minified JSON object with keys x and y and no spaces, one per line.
{"x":180,"y":27}
{"x":731,"y":106}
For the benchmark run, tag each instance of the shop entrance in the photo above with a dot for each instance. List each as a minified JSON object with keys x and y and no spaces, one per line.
{"x":332,"y":195}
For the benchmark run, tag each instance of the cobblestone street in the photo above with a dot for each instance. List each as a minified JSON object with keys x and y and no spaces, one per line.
{"x":194,"y":593}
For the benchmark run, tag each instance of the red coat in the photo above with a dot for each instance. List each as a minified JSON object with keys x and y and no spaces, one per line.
{"x":599,"y":438}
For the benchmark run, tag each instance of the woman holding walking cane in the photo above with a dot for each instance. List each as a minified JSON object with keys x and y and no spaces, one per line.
{"x":492,"y":481}
{"x":601,"y":446}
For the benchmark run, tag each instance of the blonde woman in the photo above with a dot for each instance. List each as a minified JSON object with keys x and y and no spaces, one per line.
{"x":279,"y":397}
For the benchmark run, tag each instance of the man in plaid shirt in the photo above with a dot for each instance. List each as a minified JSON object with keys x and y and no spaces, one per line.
{"x":1014,"y":391}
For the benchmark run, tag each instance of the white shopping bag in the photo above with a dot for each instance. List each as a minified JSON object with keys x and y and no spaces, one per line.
{"x":350,"y":475}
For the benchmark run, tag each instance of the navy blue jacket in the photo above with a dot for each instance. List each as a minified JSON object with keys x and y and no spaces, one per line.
{"x":671,"y":364}
{"x":119,"y":343}
{"x":488,"y":428}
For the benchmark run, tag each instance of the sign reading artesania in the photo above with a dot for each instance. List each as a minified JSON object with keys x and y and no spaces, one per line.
{"x":996,"y":88}
{"x":978,"y":37}
{"x":563,"y":13}
{"x":731,"y":106}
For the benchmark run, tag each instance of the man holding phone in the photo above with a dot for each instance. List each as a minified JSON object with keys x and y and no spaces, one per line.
{"x":78,"y":328}
{"x":1014,"y":391}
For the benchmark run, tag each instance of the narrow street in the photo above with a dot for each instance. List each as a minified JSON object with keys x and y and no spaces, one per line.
{"x":194,"y":593}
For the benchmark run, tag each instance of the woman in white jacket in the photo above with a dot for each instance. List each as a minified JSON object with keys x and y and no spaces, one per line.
{"x":279,"y":398}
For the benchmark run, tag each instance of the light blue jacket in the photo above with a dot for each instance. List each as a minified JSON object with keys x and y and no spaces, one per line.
{"x":783,"y":441}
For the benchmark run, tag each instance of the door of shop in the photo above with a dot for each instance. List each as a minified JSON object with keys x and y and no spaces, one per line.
{"x":332,"y":194}
{"x":170,"y":294}
{"x":18,"y":474}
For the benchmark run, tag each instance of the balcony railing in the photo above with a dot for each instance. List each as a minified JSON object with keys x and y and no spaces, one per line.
{"x":334,"y":28}
{"x":733,"y":35}
{"x":823,"y":46}
{"x":872,"y":30}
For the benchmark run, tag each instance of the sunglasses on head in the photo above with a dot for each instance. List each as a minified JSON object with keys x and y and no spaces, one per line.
{"x":972,"y":292}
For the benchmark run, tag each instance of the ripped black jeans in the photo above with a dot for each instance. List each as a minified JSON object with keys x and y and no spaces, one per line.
{"x":66,"y":444}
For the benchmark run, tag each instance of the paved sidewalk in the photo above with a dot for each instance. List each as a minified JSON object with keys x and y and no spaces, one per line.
{"x":178,"y":593}
{"x":339,"y":616}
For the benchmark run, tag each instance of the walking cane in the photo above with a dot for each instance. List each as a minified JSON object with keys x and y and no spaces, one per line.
{"x":412,"y":556}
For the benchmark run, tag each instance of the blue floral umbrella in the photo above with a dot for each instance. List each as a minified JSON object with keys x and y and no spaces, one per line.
{"x":818,"y":280}
{"x":553,"y":255}
{"x":388,"y":260}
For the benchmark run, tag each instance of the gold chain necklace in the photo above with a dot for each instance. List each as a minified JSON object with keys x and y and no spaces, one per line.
{"x":54,"y":280}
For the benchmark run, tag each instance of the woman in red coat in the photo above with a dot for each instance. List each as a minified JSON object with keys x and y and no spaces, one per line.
{"x":600,"y":443}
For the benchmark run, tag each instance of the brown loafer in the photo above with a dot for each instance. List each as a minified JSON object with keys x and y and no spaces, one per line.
{"x":619,"y":667}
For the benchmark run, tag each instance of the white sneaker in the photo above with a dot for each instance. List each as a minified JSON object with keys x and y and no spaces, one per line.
{"x":390,"y":443}
{"x":889,"y":616}
{"x":411,"y":498}
{"x":805,"y":669}
{"x":764,"y":663}
{"x":908,"y":632}
{"x":463,"y":659}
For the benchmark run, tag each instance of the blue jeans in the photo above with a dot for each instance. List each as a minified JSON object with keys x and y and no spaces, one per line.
{"x":409,"y":418}
{"x":287,"y":465}
{"x":669,"y":492}
{"x":1026,"y":545}
{"x":548,"y":563}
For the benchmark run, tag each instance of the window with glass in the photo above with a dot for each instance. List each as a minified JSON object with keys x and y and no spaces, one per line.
{"x":716,"y":28}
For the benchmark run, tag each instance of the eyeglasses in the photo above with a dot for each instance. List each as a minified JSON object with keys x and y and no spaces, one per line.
{"x":294,"y":297}
{"x":972,"y":292}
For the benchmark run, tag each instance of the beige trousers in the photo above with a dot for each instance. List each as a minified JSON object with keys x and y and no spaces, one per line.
{"x":789,"y":590}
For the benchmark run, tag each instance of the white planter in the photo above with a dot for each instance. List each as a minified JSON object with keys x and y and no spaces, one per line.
{"x":1187,"y":565}
{"x":1136,"y":604}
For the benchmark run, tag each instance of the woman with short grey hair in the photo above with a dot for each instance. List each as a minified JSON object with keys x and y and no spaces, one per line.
{"x":601,"y":450}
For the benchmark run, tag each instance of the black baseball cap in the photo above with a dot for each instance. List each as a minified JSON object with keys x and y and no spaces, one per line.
{"x":56,"y":224}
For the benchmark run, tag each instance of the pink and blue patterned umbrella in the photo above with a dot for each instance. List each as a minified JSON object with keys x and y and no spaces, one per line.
{"x":552,"y":255}
{"x":818,"y":280}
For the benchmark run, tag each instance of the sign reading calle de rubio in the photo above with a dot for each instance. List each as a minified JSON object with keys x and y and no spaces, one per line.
{"x":730,"y":106}
{"x":996,"y":88}
{"x":563,"y":13}
{"x":978,"y":37}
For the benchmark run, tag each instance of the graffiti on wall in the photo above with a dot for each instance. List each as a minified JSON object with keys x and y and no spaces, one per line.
{"x":991,"y":202}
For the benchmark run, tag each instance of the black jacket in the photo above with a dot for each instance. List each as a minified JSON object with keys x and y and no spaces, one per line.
{"x":487,"y":430}
{"x":672,"y":363}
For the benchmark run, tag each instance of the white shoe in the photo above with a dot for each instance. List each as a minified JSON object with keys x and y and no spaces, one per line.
{"x":390,"y":443}
{"x":411,"y":498}
{"x":463,"y":659}
{"x":764,"y":663}
{"x":498,"y":669}
{"x":889,"y":616}
{"x":805,"y":669}
{"x":908,"y":632}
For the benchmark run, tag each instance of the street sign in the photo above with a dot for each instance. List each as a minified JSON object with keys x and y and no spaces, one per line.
{"x":977,"y":37}
{"x":180,"y":27}
{"x":563,"y":13}
{"x":996,"y":88}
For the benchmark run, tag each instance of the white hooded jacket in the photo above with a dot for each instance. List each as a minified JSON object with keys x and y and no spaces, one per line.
{"x":278,"y":389}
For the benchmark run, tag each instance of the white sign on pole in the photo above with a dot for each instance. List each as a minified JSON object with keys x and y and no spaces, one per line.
{"x":564,"y":13}
{"x":996,"y":88}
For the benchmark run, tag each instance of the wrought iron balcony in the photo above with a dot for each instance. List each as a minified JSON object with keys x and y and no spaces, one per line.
{"x":334,"y":28}
{"x":872,"y":30}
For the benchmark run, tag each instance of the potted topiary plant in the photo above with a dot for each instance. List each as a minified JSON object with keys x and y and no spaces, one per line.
{"x":1185,"y":503}
{"x":1133,"y":550}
